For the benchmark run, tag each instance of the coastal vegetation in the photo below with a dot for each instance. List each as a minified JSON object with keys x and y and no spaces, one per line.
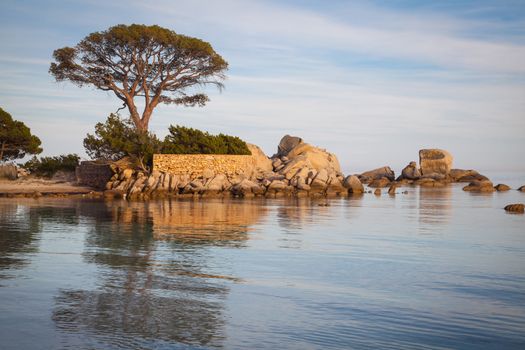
{"x":49,"y":166}
{"x":16,"y":140}
{"x":118,"y":138}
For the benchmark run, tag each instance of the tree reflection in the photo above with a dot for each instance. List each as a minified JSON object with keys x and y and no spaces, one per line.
{"x":21,"y":221}
{"x":158,"y":274}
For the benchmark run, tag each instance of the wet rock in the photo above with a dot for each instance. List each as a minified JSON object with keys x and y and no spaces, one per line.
{"x":522,"y":188}
{"x":515,"y":208}
{"x":377,"y":192}
{"x":501,"y":187}
{"x":435,"y":160}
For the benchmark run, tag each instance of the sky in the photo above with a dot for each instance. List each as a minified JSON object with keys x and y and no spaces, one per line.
{"x":371,"y":81}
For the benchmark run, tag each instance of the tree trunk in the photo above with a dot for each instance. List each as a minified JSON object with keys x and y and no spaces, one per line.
{"x":2,"y":151}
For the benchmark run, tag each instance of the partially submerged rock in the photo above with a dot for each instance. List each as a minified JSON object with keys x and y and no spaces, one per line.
{"x":515,"y":208}
{"x":501,"y":187}
{"x":522,"y":188}
{"x":479,"y":186}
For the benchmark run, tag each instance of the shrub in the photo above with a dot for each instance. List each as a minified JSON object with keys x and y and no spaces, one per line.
{"x":183,"y":140}
{"x":118,"y":138}
{"x":48,"y":166}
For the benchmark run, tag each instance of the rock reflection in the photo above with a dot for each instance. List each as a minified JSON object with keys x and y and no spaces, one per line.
{"x":435,"y":207}
{"x":156,"y":280}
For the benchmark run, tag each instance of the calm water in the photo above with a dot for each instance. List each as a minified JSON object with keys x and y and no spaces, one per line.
{"x":431,"y":269}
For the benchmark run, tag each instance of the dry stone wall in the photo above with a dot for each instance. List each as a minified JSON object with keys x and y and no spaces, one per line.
{"x":196,"y":165}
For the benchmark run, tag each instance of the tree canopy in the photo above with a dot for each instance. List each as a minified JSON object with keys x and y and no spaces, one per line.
{"x":138,"y":61}
{"x":16,"y":139}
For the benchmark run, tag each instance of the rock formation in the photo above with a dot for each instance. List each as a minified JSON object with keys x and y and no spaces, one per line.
{"x":435,"y":163}
{"x":297,"y":168}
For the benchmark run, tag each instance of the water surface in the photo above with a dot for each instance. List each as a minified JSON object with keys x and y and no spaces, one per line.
{"x":431,"y":269}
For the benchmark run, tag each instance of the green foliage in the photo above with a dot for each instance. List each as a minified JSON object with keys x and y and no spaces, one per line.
{"x":117,"y":138}
{"x":16,"y":139}
{"x":183,"y":140}
{"x":48,"y":166}
{"x":139,"y":61}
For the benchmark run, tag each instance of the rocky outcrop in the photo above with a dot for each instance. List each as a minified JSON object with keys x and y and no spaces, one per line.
{"x":479,"y":186}
{"x":515,"y":208}
{"x":435,"y":162}
{"x":376,"y":174}
{"x":307,"y":168}
{"x":297,"y":169}
{"x":522,"y":188}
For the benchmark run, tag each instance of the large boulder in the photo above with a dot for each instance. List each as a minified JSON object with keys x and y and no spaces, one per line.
{"x":287,"y":144}
{"x":353,"y":184}
{"x":376,"y":174}
{"x":435,"y":161}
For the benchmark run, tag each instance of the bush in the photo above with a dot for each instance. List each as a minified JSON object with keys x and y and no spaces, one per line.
{"x":182,"y":140}
{"x":48,"y":166}
{"x":117,"y":138}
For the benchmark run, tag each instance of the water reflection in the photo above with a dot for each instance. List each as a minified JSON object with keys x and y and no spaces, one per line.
{"x":434,"y":208}
{"x":20,"y":225}
{"x":157,"y":279}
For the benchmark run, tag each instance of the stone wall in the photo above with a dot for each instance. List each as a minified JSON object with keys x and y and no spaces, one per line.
{"x":94,"y":174}
{"x":195,"y":164}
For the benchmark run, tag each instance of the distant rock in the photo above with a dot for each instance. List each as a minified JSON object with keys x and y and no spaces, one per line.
{"x":376,"y":174}
{"x":435,"y":161}
{"x":515,"y":208}
{"x":479,"y":186}
{"x":522,"y":188}
{"x":501,"y":187}
{"x":461,"y":175}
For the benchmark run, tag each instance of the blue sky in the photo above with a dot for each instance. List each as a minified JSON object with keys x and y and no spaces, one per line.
{"x":372,"y":81}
